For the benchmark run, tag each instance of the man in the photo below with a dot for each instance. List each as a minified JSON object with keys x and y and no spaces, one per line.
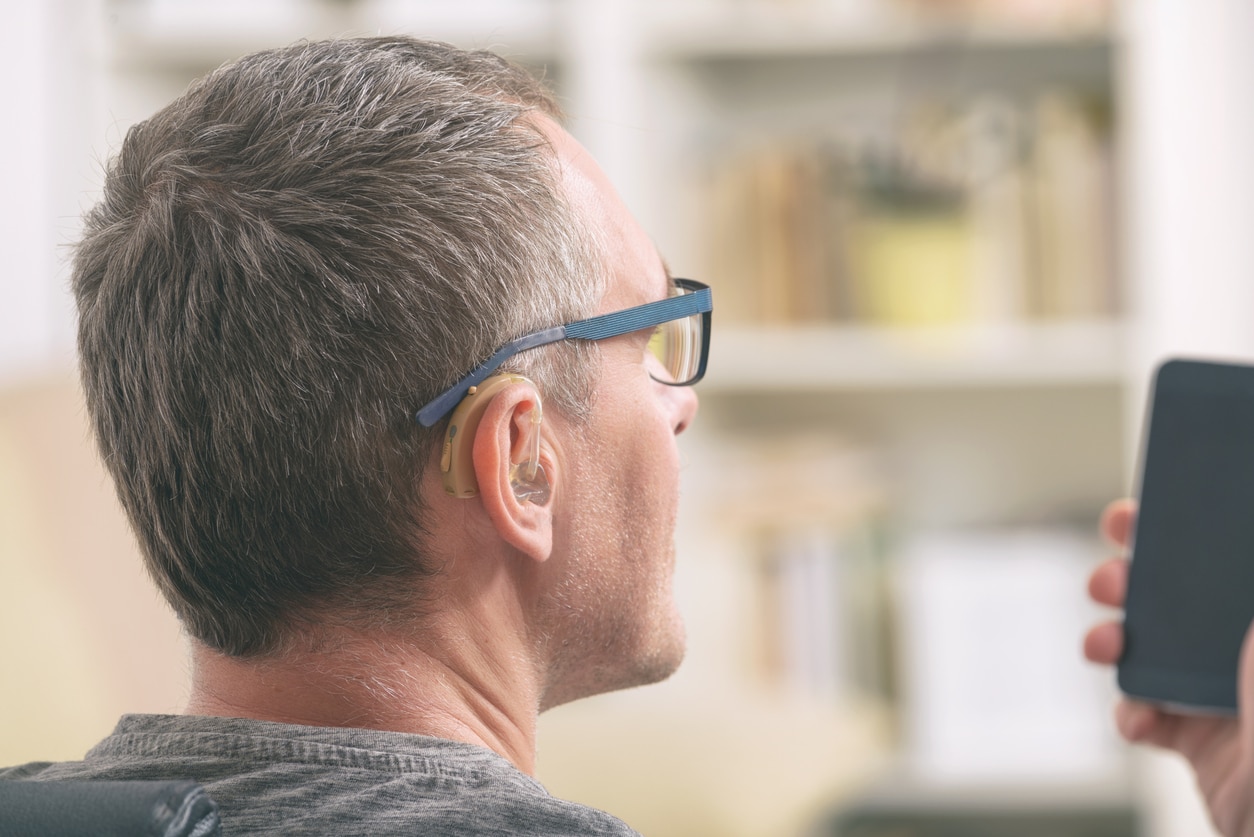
{"x":308,"y":248}
{"x":297,"y":272}
{"x":1220,"y":749}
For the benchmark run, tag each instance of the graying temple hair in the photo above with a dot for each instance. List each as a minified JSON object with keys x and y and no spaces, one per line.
{"x":287,"y":261}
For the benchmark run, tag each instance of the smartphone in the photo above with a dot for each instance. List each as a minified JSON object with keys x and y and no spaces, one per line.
{"x":1191,"y":583}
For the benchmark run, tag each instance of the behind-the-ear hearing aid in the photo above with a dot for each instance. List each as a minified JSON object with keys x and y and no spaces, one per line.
{"x":527,"y":478}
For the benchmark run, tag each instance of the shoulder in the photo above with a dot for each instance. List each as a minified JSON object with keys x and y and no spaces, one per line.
{"x":31,"y":770}
{"x":449,"y":792}
{"x":525,"y":807}
{"x":272,"y":778}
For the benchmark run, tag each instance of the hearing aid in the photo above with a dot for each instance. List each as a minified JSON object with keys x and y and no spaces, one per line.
{"x":527,"y":478}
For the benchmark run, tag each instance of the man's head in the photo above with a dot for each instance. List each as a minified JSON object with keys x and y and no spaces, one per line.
{"x":287,"y":260}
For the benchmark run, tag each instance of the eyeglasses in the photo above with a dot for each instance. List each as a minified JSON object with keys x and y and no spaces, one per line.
{"x":680,"y":341}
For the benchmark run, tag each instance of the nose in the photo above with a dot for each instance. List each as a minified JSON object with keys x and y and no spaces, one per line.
{"x":683,"y":409}
{"x":680,"y":402}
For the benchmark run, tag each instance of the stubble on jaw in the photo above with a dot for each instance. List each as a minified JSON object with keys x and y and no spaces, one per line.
{"x":610,"y":622}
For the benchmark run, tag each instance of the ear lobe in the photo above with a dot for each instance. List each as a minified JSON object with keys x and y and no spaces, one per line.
{"x":514,"y":496}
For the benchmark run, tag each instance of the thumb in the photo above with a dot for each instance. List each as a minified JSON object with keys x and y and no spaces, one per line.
{"x":1227,"y":795}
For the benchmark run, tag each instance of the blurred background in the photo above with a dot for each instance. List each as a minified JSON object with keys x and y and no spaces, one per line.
{"x":949,"y":239}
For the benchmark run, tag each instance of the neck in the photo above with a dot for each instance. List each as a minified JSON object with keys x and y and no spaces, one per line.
{"x":454,"y":691}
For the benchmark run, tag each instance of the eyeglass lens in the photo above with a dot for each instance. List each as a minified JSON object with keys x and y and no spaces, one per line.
{"x":676,"y":345}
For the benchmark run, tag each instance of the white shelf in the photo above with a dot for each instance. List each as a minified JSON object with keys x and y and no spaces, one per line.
{"x":899,"y":790}
{"x":740,"y":33}
{"x":518,"y":29}
{"x":835,"y":359}
{"x":170,"y":33}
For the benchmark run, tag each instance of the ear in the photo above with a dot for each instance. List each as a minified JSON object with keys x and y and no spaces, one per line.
{"x":501,"y":440}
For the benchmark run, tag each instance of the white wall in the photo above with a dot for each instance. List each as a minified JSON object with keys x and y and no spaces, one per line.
{"x":47,"y":57}
{"x":1189,"y":222}
{"x":1189,"y":152}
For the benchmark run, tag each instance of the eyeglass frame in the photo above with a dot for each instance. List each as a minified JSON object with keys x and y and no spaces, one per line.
{"x":698,"y":300}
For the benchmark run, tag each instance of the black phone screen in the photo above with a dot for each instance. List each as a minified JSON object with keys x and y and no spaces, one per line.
{"x":1191,"y":583}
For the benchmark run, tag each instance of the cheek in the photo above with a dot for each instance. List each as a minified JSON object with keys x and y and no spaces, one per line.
{"x":637,"y":435}
{"x":656,"y":458}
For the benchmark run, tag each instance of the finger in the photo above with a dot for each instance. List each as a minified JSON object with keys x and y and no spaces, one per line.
{"x":1104,"y":643}
{"x":1139,"y":722}
{"x":1108,"y":584}
{"x":1118,"y":520}
{"x":1245,"y":691}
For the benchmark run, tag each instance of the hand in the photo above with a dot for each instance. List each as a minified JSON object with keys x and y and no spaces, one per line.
{"x":1221,"y":750}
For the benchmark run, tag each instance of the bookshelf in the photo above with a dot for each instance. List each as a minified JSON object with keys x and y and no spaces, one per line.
{"x":1006,"y":414}
{"x":799,"y":36}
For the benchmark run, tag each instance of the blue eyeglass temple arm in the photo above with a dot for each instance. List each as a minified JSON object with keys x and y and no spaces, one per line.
{"x":447,"y":400}
{"x":594,"y":328}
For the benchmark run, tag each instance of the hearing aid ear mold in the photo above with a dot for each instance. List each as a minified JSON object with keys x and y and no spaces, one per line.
{"x":527,"y":478}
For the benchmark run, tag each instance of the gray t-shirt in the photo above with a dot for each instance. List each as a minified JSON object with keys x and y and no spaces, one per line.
{"x":270,"y":778}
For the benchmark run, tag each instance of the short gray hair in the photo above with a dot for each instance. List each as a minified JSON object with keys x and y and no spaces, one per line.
{"x":287,"y":261}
